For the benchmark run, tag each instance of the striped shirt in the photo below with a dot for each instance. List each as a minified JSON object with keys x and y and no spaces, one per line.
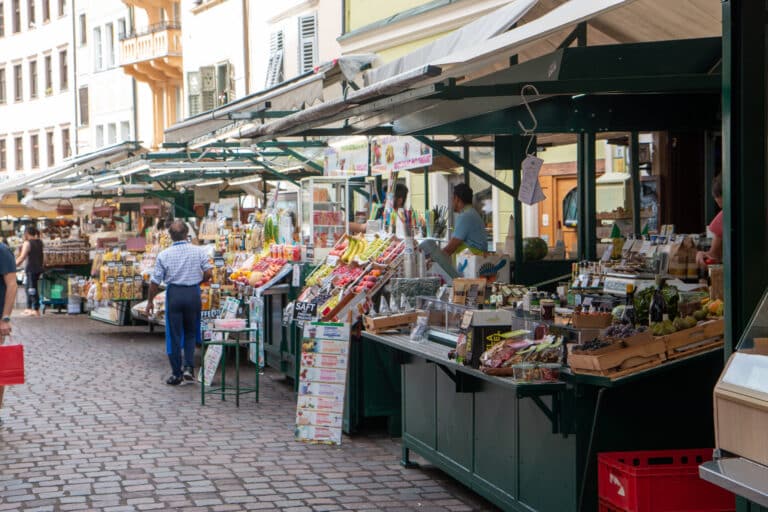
{"x":181,"y":264}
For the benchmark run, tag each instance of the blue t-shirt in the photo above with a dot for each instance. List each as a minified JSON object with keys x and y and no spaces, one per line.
{"x":471,"y":229}
{"x":7,"y":266}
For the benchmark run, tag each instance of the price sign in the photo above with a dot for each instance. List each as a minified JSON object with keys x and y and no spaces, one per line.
{"x":466,"y":320}
{"x":296,"y":276}
{"x":218,"y":262}
{"x":305,"y":312}
{"x":332,"y":260}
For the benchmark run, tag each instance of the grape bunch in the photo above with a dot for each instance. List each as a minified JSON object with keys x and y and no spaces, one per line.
{"x":592,"y":345}
{"x":623,"y":331}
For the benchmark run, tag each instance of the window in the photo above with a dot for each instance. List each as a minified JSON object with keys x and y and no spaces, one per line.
{"x":34,"y":150}
{"x":17,"y":83}
{"x":49,"y":148}
{"x":121,"y":29}
{"x":84,"y":110}
{"x":16,"y":13}
{"x":307,"y":43}
{"x":2,"y":86}
{"x":83,"y":30}
{"x":97,"y":49}
{"x":19,"y":150}
{"x":225,"y":90}
{"x":2,"y":19}
{"x":3,"y":156}
{"x":125,"y":131}
{"x":111,"y":133}
{"x":275,"y":67}
{"x":65,"y":149}
{"x":193,"y":86}
{"x":99,"y":135}
{"x":48,"y":75}
{"x":46,"y":11}
{"x":63,"y":71}
{"x":62,"y":7}
{"x":31,"y":18}
{"x":110,"y":35}
{"x":33,"y":79}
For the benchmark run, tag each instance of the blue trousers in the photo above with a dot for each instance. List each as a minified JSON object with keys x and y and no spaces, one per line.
{"x":182,"y":321}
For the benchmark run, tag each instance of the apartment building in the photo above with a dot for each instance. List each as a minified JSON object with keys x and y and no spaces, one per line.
{"x":109,"y":101}
{"x":37,"y":91}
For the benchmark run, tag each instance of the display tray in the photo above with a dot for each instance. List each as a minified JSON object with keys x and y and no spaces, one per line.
{"x":701,"y":337}
{"x":740,"y":476}
{"x":641,"y":351}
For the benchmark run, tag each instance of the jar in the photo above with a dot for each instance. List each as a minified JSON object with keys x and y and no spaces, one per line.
{"x":547,"y":310}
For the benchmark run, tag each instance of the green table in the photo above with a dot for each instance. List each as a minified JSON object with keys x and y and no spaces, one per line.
{"x":225,"y":390}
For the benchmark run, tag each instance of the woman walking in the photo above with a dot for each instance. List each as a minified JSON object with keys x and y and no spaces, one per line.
{"x":32,"y":253}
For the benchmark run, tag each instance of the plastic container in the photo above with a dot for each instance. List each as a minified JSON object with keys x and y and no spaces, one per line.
{"x":658,"y":481}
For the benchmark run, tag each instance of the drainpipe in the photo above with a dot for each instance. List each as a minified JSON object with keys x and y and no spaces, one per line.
{"x":134,"y":85}
{"x":246,"y":48}
{"x":74,"y":81}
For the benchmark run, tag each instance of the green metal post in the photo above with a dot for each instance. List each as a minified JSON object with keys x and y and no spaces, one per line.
{"x":587,"y":196}
{"x":634,"y":147}
{"x":745,"y":185}
{"x":426,"y":189}
{"x":509,"y":153}
{"x":465,"y":156}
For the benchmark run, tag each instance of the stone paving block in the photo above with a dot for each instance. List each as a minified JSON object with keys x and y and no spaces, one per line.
{"x":77,"y":439}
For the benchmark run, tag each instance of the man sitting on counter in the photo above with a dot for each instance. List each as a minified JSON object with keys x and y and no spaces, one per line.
{"x":469,"y":231}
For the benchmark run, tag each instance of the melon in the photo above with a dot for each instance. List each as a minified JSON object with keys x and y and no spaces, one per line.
{"x":534,"y":249}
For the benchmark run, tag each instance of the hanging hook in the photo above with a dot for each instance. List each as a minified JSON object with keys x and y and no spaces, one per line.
{"x":532,"y":129}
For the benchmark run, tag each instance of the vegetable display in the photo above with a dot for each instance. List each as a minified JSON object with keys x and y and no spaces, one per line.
{"x":643,"y":302}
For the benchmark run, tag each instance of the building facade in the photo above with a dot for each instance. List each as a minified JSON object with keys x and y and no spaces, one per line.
{"x":37,"y":86}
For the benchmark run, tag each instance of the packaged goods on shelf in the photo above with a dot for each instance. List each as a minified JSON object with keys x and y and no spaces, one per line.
{"x":65,"y":252}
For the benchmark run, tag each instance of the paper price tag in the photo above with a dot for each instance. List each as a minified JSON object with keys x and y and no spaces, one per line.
{"x":530,"y":189}
{"x":466,"y":320}
{"x":332,"y":260}
{"x":607,"y":254}
{"x":296,"y":276}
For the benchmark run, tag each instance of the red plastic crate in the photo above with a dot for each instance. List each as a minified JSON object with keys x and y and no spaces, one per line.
{"x":659,"y":481}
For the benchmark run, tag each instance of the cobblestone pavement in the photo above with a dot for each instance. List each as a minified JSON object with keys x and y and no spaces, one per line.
{"x":96,"y":428}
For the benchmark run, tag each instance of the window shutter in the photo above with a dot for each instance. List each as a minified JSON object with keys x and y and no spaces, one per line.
{"x":208,"y":88}
{"x":307,"y":43}
{"x":193,"y":85}
{"x":275,"y":67}
{"x":225,"y":84}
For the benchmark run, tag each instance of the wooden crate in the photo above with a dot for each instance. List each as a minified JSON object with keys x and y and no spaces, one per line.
{"x":386,"y":323}
{"x":640,"y":352}
{"x":696,"y":339}
{"x":592,"y":321}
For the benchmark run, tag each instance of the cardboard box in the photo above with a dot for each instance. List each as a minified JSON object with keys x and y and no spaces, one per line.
{"x":741,"y":404}
{"x":493,"y":267}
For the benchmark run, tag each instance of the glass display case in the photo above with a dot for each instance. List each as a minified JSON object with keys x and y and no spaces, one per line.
{"x":328,"y":205}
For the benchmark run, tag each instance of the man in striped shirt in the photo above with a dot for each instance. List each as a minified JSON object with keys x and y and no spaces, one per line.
{"x":182,"y":267}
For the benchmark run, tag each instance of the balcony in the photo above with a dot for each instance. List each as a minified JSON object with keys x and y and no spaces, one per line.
{"x":155,"y":54}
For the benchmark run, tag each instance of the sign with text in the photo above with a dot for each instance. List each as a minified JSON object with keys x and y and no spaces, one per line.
{"x":398,"y":154}
{"x":322,"y":382}
{"x":305,"y":312}
{"x":349,"y":159}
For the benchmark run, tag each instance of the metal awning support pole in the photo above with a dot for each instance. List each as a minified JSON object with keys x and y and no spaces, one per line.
{"x":509,"y":153}
{"x":274,"y":172}
{"x":710,"y":156}
{"x":426,"y":189}
{"x":745,"y":184}
{"x":587,"y":196}
{"x":465,"y":155}
{"x":465,"y":163}
{"x":304,"y":160}
{"x":634,"y":163}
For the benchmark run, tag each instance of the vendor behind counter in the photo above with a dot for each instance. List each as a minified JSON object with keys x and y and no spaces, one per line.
{"x":469,"y":231}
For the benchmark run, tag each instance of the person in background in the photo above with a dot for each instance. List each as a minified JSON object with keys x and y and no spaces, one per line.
{"x":182,"y":267}
{"x":7,"y":297}
{"x":400,"y":195}
{"x":32,"y":253}
{"x":469,"y":230}
{"x":715,"y":253}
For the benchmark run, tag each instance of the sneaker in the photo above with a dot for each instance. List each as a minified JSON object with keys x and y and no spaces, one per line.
{"x":173,"y":380}
{"x":188,"y":375}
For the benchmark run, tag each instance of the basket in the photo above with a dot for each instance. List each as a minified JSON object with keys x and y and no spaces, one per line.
{"x":103,"y":210}
{"x":65,"y":207}
{"x":658,"y":481}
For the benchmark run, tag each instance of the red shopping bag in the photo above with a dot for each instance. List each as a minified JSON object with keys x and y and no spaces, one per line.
{"x":11,"y":365}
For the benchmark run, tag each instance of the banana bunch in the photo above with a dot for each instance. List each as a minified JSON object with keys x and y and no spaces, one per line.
{"x":355,"y":247}
{"x":374,"y":248}
{"x":319,"y":274}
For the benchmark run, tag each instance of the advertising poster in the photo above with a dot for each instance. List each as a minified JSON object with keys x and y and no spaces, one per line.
{"x":322,"y":382}
{"x":350,"y":159}
{"x":390,"y":153}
